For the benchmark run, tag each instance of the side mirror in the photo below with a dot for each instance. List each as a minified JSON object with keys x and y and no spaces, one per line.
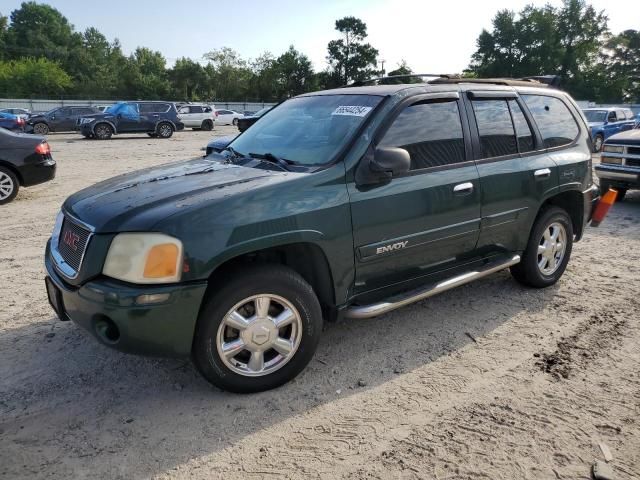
{"x":382,"y":164}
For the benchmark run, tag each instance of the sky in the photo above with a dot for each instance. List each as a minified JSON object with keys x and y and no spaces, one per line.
{"x":433,"y":37}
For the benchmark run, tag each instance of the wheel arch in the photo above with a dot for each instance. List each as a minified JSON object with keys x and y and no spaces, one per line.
{"x":306,"y":258}
{"x":571,"y":201}
{"x":13,"y":169}
{"x":165,"y":120}
{"x":111,"y":124}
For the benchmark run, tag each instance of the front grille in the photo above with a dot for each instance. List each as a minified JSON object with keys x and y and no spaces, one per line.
{"x":72,"y":243}
{"x":633,"y":162}
{"x":633,"y":150}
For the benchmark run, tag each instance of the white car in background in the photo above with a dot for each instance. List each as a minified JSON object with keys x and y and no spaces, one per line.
{"x":228,"y":117}
{"x":196,"y":116}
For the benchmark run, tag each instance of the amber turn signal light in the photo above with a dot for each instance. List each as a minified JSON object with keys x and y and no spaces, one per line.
{"x":162,"y":261}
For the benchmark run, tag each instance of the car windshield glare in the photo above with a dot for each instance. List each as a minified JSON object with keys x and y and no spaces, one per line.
{"x":308,"y":130}
{"x":596,"y":116}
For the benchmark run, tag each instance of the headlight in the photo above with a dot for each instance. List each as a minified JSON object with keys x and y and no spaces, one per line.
{"x":144,"y":258}
{"x":613,"y":149}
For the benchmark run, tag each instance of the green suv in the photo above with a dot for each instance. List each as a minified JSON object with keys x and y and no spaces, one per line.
{"x":346,"y":203}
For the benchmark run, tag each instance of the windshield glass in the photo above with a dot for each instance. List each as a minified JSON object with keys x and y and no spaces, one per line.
{"x":595,"y":116}
{"x":307,"y":130}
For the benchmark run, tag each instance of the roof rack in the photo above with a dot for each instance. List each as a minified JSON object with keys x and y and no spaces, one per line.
{"x":534,"y":81}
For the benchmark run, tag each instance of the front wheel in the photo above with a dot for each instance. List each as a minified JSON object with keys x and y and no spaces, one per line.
{"x":235,"y":122}
{"x":103,"y":131}
{"x":41,"y":128}
{"x":9,"y":185}
{"x":548,"y":251}
{"x":257,"y":331}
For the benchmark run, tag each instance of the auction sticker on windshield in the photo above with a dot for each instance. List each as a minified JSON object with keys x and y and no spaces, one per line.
{"x":352,"y":110}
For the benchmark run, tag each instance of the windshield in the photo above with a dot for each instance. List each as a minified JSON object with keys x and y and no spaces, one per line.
{"x":307,"y":130}
{"x":595,"y":116}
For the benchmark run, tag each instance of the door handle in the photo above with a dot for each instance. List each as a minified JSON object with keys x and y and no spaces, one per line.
{"x":463,"y":188}
{"x":542,"y":173}
{"x":156,"y":115}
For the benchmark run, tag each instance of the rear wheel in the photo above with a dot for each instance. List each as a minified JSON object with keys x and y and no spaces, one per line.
{"x":207,"y":125}
{"x":235,"y":122}
{"x":257,"y":331}
{"x":164,"y":130}
{"x":103,"y":131}
{"x":41,"y":128}
{"x":9,"y":185}
{"x":548,"y":250}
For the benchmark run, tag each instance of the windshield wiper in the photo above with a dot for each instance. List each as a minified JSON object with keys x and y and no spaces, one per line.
{"x":270,"y":157}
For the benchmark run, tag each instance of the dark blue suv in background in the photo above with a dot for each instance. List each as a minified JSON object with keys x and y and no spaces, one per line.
{"x":156,"y":119}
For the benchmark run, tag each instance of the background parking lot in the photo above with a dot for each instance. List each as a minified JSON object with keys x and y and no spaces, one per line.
{"x":491,"y":380}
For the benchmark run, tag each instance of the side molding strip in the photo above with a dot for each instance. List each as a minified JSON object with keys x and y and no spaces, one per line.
{"x":429,"y":290}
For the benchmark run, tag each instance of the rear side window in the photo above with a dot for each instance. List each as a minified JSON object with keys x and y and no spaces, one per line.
{"x":555,"y":122}
{"x":195,"y":109}
{"x":430,"y":132}
{"x":497,"y":136}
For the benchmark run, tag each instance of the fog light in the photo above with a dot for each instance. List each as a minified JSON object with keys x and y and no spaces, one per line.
{"x":151,"y":298}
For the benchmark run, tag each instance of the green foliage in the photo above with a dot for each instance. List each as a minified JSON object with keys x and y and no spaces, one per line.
{"x":351,"y":59}
{"x":568,"y":41}
{"x":29,"y":76}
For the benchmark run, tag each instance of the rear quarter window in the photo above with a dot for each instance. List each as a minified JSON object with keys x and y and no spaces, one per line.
{"x":557,"y":125}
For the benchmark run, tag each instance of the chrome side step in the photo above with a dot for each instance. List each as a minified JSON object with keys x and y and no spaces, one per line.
{"x":375,"y":309}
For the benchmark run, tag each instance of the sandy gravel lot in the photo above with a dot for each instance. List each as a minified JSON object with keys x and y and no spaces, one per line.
{"x":489,"y":381}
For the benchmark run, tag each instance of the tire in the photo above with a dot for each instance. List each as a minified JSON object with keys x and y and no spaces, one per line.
{"x":40,"y":128}
{"x":207,"y":125}
{"x":537,"y":269}
{"x":102,"y":131}
{"x":9,"y":185}
{"x":164,"y":130}
{"x":598,"y":141}
{"x":235,"y":122}
{"x":285,"y":289}
{"x":605,"y":186}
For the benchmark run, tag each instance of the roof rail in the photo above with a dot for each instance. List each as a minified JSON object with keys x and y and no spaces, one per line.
{"x":377,"y":80}
{"x":441,"y":78}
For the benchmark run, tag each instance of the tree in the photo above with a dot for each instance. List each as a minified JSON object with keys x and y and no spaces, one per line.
{"x":544,"y":40}
{"x":145,"y":75}
{"x":229,"y":74}
{"x":3,"y":36}
{"x":403,"y":69}
{"x":294,"y":74}
{"x":350,"y":58}
{"x":188,"y":79}
{"x":621,"y":59}
{"x":29,"y":76}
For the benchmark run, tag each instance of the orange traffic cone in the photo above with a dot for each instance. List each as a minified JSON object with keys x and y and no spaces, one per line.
{"x":603,"y":206}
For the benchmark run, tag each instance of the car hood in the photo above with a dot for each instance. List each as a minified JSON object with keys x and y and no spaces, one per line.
{"x":138,"y":201}
{"x":629,"y":137}
{"x":221,"y":142}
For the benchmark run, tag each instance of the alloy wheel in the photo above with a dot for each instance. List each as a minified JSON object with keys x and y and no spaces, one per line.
{"x":6,"y":186}
{"x":259,"y":335}
{"x":551,"y":248}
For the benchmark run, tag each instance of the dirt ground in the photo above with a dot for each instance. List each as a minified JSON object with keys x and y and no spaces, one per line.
{"x":491,"y":380}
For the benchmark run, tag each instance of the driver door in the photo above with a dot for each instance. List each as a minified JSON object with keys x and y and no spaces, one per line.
{"x":428,"y":219}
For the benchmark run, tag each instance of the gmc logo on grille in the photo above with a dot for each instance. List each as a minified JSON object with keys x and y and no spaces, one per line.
{"x":71,"y":240}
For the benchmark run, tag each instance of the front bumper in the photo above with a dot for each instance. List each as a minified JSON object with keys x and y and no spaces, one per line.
{"x":162,"y":329}
{"x":623,"y":176}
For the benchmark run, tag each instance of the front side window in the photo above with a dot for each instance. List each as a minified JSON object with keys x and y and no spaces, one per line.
{"x":555,"y":122}
{"x":431,"y":132}
{"x":497,"y":136}
{"x":308,"y":130}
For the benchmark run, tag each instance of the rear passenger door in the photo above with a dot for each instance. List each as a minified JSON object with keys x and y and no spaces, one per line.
{"x":515,"y":172}
{"x":428,"y":219}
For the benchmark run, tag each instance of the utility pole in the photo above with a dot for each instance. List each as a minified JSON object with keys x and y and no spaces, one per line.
{"x":382,"y":68}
